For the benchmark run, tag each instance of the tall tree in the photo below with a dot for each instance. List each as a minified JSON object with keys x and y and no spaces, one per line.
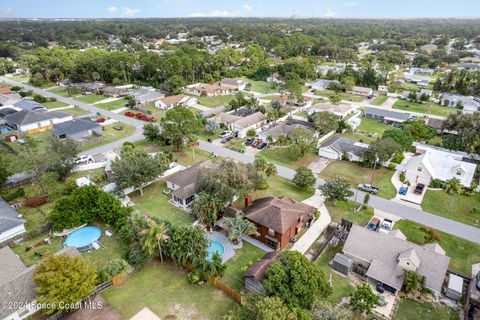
{"x":207,"y":207}
{"x":452,"y":187}
{"x":324,"y":122}
{"x":61,"y":155}
{"x":336,"y":189}
{"x":187,"y":244}
{"x":155,"y":238}
{"x":304,"y":178}
{"x":363,"y":299}
{"x":380,"y":150}
{"x":238,"y":226}
{"x":4,"y":170}
{"x":178,"y":125}
{"x":261,"y":164}
{"x":136,"y":168}
{"x":399,"y":136}
{"x":301,"y":142}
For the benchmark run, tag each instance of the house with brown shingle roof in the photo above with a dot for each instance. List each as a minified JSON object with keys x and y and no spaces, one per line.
{"x":172,"y":101}
{"x":209,"y":90}
{"x":278,"y":219}
{"x":257,"y":273}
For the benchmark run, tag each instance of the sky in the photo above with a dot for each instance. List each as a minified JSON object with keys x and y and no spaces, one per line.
{"x":237,"y":8}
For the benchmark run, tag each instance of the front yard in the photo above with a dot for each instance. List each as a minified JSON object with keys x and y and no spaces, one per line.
{"x":261,"y":86}
{"x":427,"y":108}
{"x":459,"y":208}
{"x":356,"y":174}
{"x":281,"y":156}
{"x":343,"y":95}
{"x":344,"y":210}
{"x":408,"y":309}
{"x":110,"y":134}
{"x":112,"y":105}
{"x":378,"y":101}
{"x":90,"y":98}
{"x":164,"y":289}
{"x":54,"y":104}
{"x":215,"y":101}
{"x":61,"y":91}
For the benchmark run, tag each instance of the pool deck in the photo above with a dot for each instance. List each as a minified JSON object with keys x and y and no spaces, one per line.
{"x":229,"y":247}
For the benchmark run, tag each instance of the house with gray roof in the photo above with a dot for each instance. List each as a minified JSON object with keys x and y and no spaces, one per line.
{"x":322,"y":84}
{"x":338,"y":147}
{"x":29,"y":105}
{"x":145,"y":96}
{"x":282,"y":129}
{"x":11,"y":225}
{"x":77,"y":129}
{"x":470,"y":104}
{"x":389,"y":117}
{"x":35,"y":121}
{"x":386,"y":257}
{"x":16,"y":285}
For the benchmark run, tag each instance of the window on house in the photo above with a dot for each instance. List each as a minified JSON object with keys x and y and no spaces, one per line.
{"x":271,"y":232}
{"x":407,"y":263}
{"x":419,"y":169}
{"x":459,"y":173}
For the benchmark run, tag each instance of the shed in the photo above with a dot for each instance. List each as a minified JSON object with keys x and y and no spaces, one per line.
{"x":342,"y":263}
{"x":455,"y":287}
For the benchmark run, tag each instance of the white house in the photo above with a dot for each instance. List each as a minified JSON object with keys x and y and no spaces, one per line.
{"x":337,"y":147}
{"x":322,"y":84}
{"x":361,"y":91}
{"x":35,"y":121}
{"x":11,"y":224}
{"x":241,"y":121}
{"x":172,"y":101}
{"x":233,"y":84}
{"x":340,"y":110}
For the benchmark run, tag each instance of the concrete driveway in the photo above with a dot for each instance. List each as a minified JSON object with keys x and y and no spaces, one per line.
{"x":318,"y":165}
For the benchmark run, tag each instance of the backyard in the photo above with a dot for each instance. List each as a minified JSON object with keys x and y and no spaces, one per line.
{"x":408,"y":309}
{"x":112,"y":105}
{"x":164,"y":289}
{"x":372,"y":127}
{"x":356,"y":174}
{"x":215,"y":101}
{"x":261,"y":86}
{"x":457,"y":207}
{"x":90,"y":98}
{"x":427,"y":108}
{"x":378,"y":101}
{"x":111,"y":134}
{"x":280,"y":155}
{"x":343,"y":95}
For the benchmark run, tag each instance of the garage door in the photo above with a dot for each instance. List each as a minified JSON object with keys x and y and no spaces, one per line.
{"x":327,"y":153}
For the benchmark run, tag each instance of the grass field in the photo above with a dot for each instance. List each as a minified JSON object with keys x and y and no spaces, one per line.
{"x":110,"y":135}
{"x":91,"y":98}
{"x":215,"y":101}
{"x":61,"y":91}
{"x":20,"y":78}
{"x":459,"y":209}
{"x":261,"y":86}
{"x":378,"y":101}
{"x":372,"y":127}
{"x":408,"y":309}
{"x":463,"y":253}
{"x":243,"y":258}
{"x":75,"y":111}
{"x":344,"y":210}
{"x":342,"y":95}
{"x":164,"y":289}
{"x":280,"y":156}
{"x":357,"y":174}
{"x":112,"y":105}
{"x":427,"y":108}
{"x":54,"y":104}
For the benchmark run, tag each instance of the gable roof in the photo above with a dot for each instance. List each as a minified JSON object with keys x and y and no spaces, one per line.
{"x":8,"y":217}
{"x":337,"y":109}
{"x":187,"y":179}
{"x":250,"y":120}
{"x":382,"y":252}
{"x":25,"y":117}
{"x":258,"y":270}
{"x":387,"y":114}
{"x":74,"y":126}
{"x":341,"y":145}
{"x":29,"y":105}
{"x":172,"y":100}
{"x":284,"y":129}
{"x":279,"y":214}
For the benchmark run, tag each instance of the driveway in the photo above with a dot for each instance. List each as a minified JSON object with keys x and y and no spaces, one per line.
{"x":389,"y":103}
{"x":410,"y":196}
{"x":318,"y":165}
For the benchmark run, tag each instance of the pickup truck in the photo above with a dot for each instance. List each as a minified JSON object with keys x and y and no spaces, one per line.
{"x":386,"y":225}
{"x":368,"y":188}
{"x":419,"y":188}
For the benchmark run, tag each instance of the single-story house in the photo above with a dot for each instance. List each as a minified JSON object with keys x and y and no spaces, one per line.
{"x":386,"y":257}
{"x":209,"y":90}
{"x":340,"y":110}
{"x":172,"y":101}
{"x":469,"y":66}
{"x":16,"y":287}
{"x":20,"y":105}
{"x":257,"y":273}
{"x":324,"y":69}
{"x":281,"y":129}
{"x":278,"y":219}
{"x":183,"y":184}
{"x":469,"y":103}
{"x":438,"y":164}
{"x":5,"y":90}
{"x":323,"y":84}
{"x":475,"y":60}
{"x":35,"y":121}
{"x":233,"y":84}
{"x":383,"y":89}
{"x":389,"y":117}
{"x":429,"y":48}
{"x":77,"y":129}
{"x":242,"y":120}
{"x":10,"y":223}
{"x":117,"y":91}
{"x":274,"y":78}
{"x":361,"y":91}
{"x":89,"y":86}
{"x":337,"y":147}
{"x":287,"y":99}
{"x":435,"y":123}
{"x":145,"y":96}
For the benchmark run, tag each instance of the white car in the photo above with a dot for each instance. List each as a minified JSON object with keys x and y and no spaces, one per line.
{"x":225,"y":134}
{"x":386,"y":225}
{"x":84,"y":160}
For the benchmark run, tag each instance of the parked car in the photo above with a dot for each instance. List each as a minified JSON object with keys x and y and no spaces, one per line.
{"x":247,"y":89}
{"x":225,"y":134}
{"x":368,"y":188}
{"x":419,"y":188}
{"x":129,"y":114}
{"x":256,"y":142}
{"x":379,"y":287}
{"x":84,"y":160}
{"x":262,"y":145}
{"x":144,"y":117}
{"x":373,"y":224}
{"x":404,"y":188}
{"x":249,"y":141}
{"x":386,"y":226}
{"x":100,"y":120}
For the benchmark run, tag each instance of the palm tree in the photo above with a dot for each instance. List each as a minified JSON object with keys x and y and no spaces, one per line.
{"x":155,"y":237}
{"x":238,"y":226}
{"x":452,"y":187}
{"x":193,"y":142}
{"x":206,"y":207}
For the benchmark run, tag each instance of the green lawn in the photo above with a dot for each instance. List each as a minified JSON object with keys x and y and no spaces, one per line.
{"x":206,"y":135}
{"x":215,"y":101}
{"x":110,"y":248}
{"x":241,"y":260}
{"x":110,"y":134}
{"x":280,"y":155}
{"x":409,"y":87}
{"x":341,"y":286}
{"x":38,"y":246}
{"x":61,"y":91}
{"x":154,"y":111}
{"x":427,"y":108}
{"x":463,"y":253}
{"x":343,"y":95}
{"x":113,"y":104}
{"x":164,"y":289}
{"x":90,"y":98}
{"x":34,"y":217}
{"x":408,"y":309}
{"x":357,"y":174}
{"x":378,"y":101}
{"x":364,"y":138}
{"x":261,"y":86}
{"x":344,"y":210}
{"x":54,"y":104}
{"x":20,"y":78}
{"x":75,"y":111}
{"x":155,"y":203}
{"x":459,"y":209}
{"x":372,"y":127}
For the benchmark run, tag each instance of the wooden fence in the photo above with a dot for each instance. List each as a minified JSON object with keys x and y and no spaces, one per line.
{"x":219,"y":284}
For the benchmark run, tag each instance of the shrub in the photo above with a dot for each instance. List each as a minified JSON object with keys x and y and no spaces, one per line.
{"x":14,"y":194}
{"x":430,"y":235}
{"x":402,"y":177}
{"x":52,"y":99}
{"x":316,"y":214}
{"x":398,"y":157}
{"x":251,"y":133}
{"x":392,"y":166}
{"x":436,"y":183}
{"x":40,"y":99}
{"x":16,"y":88}
{"x":194,"y":277}
{"x":33,"y":202}
{"x":112,"y":269}
{"x":263,"y":186}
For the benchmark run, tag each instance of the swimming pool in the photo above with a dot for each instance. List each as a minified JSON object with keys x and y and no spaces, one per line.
{"x":215,"y":246}
{"x":83,"y":238}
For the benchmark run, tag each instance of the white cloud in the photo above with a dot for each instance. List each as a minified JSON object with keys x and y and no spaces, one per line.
{"x":350,"y":4}
{"x":112,"y":9}
{"x":329,"y":14}
{"x":215,"y":13}
{"x":248,"y":8}
{"x":6,"y":12}
{"x":129,"y":12}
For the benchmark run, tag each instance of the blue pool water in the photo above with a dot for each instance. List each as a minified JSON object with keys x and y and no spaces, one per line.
{"x":215,"y":246}
{"x":83,"y":238}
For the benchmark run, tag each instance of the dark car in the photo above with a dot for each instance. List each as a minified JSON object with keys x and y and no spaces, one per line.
{"x":380,"y":288}
{"x":249,"y":141}
{"x":373,"y":224}
{"x":419,"y":188}
{"x":262,"y":145}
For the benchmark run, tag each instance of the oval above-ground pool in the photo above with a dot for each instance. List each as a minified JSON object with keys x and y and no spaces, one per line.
{"x":215,"y":246}
{"x":83,"y":238}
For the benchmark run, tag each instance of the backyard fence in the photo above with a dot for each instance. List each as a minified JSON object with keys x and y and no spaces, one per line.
{"x":219,"y":284}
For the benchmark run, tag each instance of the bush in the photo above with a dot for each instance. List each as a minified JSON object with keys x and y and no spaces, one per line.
{"x":14,"y":194}
{"x":52,"y":99}
{"x":402,"y":177}
{"x":251,"y":133}
{"x":436,"y":183}
{"x":316,"y":214}
{"x":263,"y":186}
{"x":69,"y":186}
{"x":112,"y":269}
{"x":392,"y":166}
{"x":34,"y":202}
{"x":16,"y":88}
{"x":40,"y":99}
{"x":194,"y":277}
{"x":398,"y":157}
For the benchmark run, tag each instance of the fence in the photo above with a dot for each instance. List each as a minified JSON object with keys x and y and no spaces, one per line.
{"x":219,"y":284}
